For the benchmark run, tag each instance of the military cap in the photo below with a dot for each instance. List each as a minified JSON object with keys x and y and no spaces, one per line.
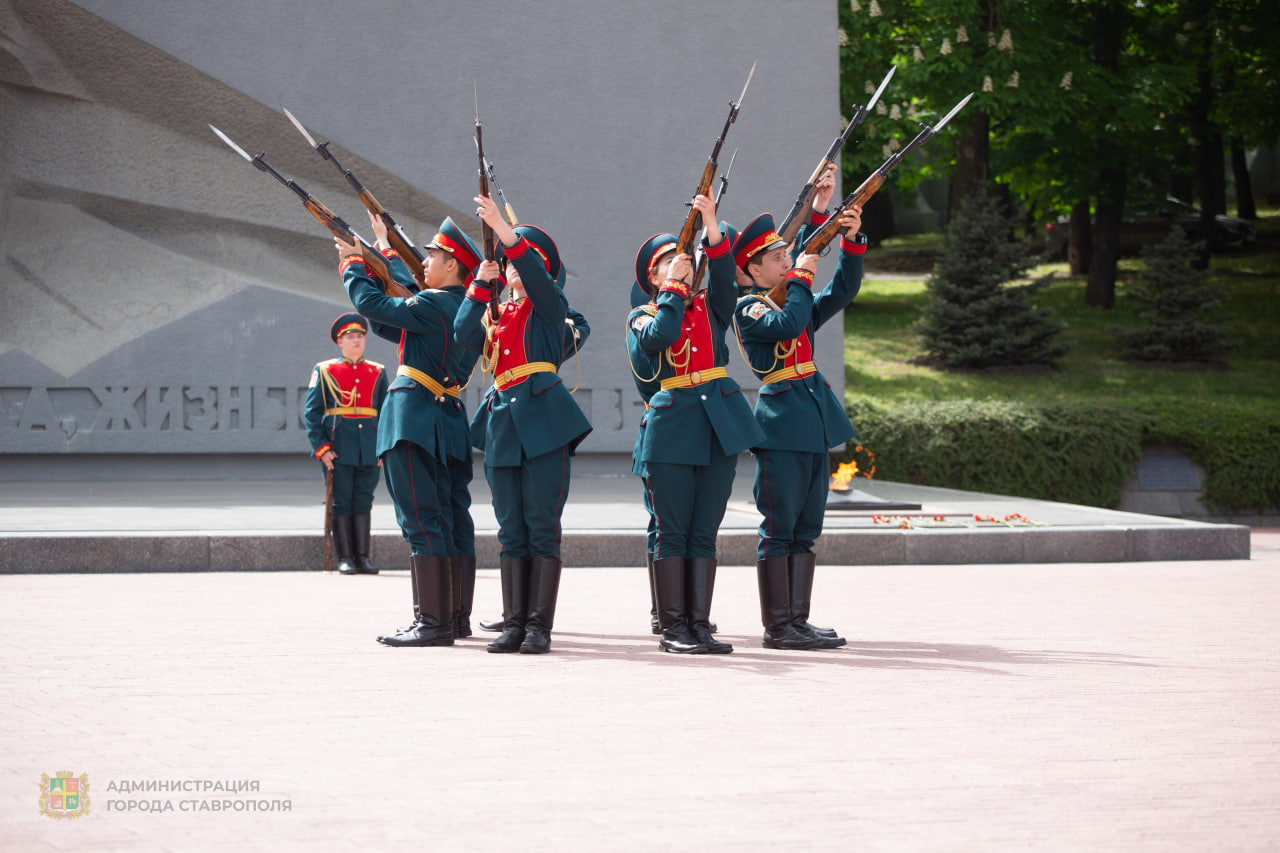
{"x":451,"y":239}
{"x":346,"y":323}
{"x":760,"y":236}
{"x":650,"y":253}
{"x":542,"y":244}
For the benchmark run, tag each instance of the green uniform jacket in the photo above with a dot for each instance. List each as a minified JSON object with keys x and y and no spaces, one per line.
{"x":422,"y":327}
{"x":537,"y":415}
{"x":801,"y":414}
{"x":683,"y":424}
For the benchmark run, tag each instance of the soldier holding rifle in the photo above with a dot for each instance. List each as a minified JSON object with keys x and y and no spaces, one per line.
{"x":696,"y":426}
{"x":341,"y":416}
{"x":423,"y":426}
{"x":799,"y":414}
{"x":527,"y":424}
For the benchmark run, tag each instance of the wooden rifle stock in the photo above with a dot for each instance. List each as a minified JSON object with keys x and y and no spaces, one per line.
{"x":693,"y":222}
{"x":822,"y":237}
{"x":395,"y":236}
{"x":374,"y":260}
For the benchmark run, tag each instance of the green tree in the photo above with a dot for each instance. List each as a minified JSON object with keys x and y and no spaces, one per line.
{"x":1178,"y":303}
{"x":975,"y":317}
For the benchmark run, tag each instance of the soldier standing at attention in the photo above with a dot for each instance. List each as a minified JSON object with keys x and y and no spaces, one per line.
{"x":797,"y":410}
{"x":527,"y":424}
{"x":697,"y":424}
{"x":341,"y":416}
{"x":422,"y":430}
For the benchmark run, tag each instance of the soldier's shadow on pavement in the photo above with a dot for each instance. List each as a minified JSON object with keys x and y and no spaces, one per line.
{"x":748,"y":655}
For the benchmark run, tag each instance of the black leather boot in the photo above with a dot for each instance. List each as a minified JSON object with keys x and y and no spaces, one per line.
{"x":544,"y":588}
{"x":653,"y":598}
{"x":801,"y":570}
{"x":464,"y":592}
{"x":673,"y":615}
{"x":434,"y":626}
{"x":342,"y":544}
{"x":515,"y":604}
{"x":700,"y":583}
{"x":360,"y":545}
{"x":417,"y":613}
{"x":775,"y":607}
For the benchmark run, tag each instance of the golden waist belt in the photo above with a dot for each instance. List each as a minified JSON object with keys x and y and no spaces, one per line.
{"x":516,"y":375}
{"x":807,"y":368}
{"x":352,"y":412}
{"x":697,"y":377}
{"x":423,"y":379}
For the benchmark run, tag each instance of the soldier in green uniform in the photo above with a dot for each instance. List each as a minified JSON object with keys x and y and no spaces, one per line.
{"x":527,"y":424}
{"x":697,"y":424}
{"x":798,"y":413}
{"x":341,"y":416}
{"x":423,"y":426}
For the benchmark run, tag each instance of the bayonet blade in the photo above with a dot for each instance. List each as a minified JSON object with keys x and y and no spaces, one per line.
{"x":227,"y":140}
{"x":725,"y":176}
{"x":937,"y":127}
{"x":885,"y":82}
{"x":751,"y":74}
{"x":475,"y":88}
{"x":300,"y":128}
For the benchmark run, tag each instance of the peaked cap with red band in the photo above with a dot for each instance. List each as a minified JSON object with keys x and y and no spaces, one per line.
{"x":347,"y":322}
{"x":542,"y":244}
{"x":760,"y":236}
{"x":652,"y":251}
{"x":451,"y":239}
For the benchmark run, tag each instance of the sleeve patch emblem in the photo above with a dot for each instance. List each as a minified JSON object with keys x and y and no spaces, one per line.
{"x":640,"y":322}
{"x":757,"y":310}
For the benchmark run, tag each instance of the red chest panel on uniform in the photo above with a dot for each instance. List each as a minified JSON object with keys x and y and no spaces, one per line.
{"x":356,"y":382}
{"x":509,"y":336}
{"x":803,"y":350}
{"x":695,"y":332}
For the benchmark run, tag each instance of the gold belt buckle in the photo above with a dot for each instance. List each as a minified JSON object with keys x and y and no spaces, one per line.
{"x":695,"y":376}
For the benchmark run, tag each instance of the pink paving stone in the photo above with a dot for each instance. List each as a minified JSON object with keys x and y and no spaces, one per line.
{"x":1068,"y":707}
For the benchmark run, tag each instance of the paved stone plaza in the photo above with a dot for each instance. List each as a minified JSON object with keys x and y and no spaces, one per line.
{"x":1075,"y":706}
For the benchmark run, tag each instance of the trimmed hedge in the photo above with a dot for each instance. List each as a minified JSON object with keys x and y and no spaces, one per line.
{"x":1071,"y":452}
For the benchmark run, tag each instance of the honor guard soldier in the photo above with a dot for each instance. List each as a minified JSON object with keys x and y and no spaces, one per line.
{"x":697,"y":424}
{"x":798,"y":412}
{"x":422,"y":433}
{"x":527,"y":424}
{"x":576,"y":332}
{"x":341,"y":417}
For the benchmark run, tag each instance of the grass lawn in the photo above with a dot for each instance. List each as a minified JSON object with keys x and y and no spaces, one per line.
{"x":880,"y":342}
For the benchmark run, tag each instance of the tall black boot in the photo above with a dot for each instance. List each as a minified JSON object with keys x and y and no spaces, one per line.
{"x":515,"y":604}
{"x":775,"y":607}
{"x":464,"y":592}
{"x":653,"y":597}
{"x":435,"y":602}
{"x":801,"y":568}
{"x":544,"y":588}
{"x":700,"y":576}
{"x":342,"y":544}
{"x":673,"y":614}
{"x":360,"y":544}
{"x":417,"y":612}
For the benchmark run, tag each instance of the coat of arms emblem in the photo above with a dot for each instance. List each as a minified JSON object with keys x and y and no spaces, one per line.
{"x":63,"y":795}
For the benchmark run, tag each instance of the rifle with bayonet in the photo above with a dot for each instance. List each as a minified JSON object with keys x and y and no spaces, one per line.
{"x":373,"y":259}
{"x":820,"y":239}
{"x":701,"y":267}
{"x":684,"y":245}
{"x":485,"y":231}
{"x":804,"y":202}
{"x":507,"y":212}
{"x":395,"y":234}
